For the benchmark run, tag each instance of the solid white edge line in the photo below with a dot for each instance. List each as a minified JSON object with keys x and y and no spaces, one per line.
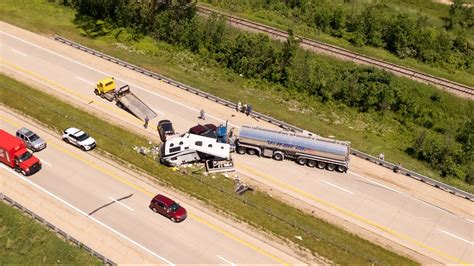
{"x":343,"y":189}
{"x":156,"y":110}
{"x":43,"y":161}
{"x":107,"y":74}
{"x":85,"y":214}
{"x":18,"y":52}
{"x":373,"y":182}
{"x":228,"y":261}
{"x":121,"y":204}
{"x":84,"y":80}
{"x":455,"y":236}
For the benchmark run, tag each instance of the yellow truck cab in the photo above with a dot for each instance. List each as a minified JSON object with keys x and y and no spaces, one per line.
{"x":105,"y":86}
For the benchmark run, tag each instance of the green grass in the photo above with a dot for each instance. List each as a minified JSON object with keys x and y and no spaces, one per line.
{"x":25,"y":242}
{"x":434,"y":12}
{"x":369,"y":132}
{"x":256,"y":208}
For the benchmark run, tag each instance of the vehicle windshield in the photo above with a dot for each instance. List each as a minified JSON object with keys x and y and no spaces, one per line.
{"x":33,"y":137}
{"x":25,"y":156}
{"x":83,"y":137}
{"x":167,"y":127}
{"x":174,"y":207}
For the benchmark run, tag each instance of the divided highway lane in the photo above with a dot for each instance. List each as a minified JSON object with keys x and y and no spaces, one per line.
{"x":93,"y":186}
{"x":351,"y":196}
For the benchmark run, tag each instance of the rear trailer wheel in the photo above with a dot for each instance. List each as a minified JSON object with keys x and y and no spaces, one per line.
{"x":241,"y":150}
{"x":321,"y":165}
{"x":301,"y":161}
{"x":278,"y":156}
{"x":331,"y":167}
{"x":311,"y":163}
{"x":341,"y":168}
{"x":251,"y":151}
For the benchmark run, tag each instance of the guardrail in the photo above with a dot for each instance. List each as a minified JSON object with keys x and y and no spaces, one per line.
{"x":57,"y":230}
{"x":401,"y":70}
{"x":279,"y":123}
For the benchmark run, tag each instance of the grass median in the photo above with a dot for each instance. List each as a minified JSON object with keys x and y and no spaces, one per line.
{"x":369,"y":132}
{"x":256,"y":208}
{"x":25,"y":242}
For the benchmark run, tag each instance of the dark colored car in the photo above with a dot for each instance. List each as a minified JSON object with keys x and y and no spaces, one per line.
{"x":168,"y":208}
{"x":207,"y":130}
{"x":165,"y":128}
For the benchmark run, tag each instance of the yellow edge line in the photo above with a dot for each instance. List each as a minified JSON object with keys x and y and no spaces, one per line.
{"x":349,"y":213}
{"x":146,"y":192}
{"x":65,"y":89}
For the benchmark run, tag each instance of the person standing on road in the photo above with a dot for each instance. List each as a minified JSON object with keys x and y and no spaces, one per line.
{"x":146,"y":122}
{"x":202,"y":114}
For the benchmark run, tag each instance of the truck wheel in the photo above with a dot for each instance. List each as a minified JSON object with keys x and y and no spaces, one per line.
{"x":241,"y":150}
{"x":278,"y":156}
{"x":311,"y":163}
{"x":23,"y":172}
{"x":330,"y":167}
{"x":321,"y":165}
{"x":96,"y":92}
{"x":341,"y":168}
{"x":251,"y":151}
{"x":173,"y":219}
{"x":301,"y":161}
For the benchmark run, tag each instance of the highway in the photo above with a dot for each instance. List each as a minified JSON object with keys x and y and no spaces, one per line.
{"x":440,"y":229}
{"x":106,"y":194}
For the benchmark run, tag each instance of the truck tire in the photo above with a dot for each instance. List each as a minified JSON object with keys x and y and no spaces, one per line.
{"x":321,"y":165}
{"x":251,"y":151}
{"x":23,"y":172}
{"x":311,"y":163}
{"x":96,"y":92}
{"x":301,"y":161}
{"x":341,"y":168}
{"x":120,"y":105}
{"x":277,"y":156}
{"x":241,"y":150}
{"x":330,"y":167}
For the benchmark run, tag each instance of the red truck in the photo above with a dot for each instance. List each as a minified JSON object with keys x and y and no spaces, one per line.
{"x":13,"y":153}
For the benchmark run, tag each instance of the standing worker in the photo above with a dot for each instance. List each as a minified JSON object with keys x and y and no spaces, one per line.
{"x":146,"y":122}
{"x":249,"y":109}
{"x":239,"y":107}
{"x":203,"y":115}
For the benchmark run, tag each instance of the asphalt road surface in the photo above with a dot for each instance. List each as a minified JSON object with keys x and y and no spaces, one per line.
{"x":108,"y":195}
{"x":437,"y":232}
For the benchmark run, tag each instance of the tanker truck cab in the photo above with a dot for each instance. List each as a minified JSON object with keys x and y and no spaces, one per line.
{"x":13,"y":153}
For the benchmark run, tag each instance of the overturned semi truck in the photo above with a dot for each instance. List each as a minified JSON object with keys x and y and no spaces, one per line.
{"x":280,"y":145}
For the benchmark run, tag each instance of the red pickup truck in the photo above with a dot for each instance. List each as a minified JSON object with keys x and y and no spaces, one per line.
{"x":13,"y":153}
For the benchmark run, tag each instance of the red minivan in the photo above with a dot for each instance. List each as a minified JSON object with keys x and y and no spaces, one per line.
{"x":168,"y":208}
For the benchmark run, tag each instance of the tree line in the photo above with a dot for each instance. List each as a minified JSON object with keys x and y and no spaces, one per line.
{"x":446,"y":131}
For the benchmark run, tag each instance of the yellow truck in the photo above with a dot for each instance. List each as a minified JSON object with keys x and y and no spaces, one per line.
{"x":124,"y":98}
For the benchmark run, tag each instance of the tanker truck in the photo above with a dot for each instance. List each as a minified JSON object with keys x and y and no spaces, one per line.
{"x":280,"y":145}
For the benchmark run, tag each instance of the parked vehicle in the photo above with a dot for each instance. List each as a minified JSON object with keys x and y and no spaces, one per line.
{"x":192,"y":148}
{"x":32,"y":141}
{"x":78,"y":138}
{"x":125,"y":99}
{"x":13,"y":153}
{"x":165,"y":128}
{"x":168,"y":208}
{"x":315,"y":152}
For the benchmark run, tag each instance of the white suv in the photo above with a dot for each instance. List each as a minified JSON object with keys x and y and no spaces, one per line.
{"x":78,"y":138}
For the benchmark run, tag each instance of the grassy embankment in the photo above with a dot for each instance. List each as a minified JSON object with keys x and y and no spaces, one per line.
{"x":435,"y":12}
{"x":256,"y":208}
{"x":25,"y":242}
{"x":369,"y":132}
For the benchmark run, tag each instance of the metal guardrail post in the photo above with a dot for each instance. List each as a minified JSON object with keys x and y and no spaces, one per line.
{"x":284,"y":125}
{"x":57,"y":230}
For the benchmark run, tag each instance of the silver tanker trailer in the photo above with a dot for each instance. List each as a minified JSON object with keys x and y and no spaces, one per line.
{"x":313,"y":151}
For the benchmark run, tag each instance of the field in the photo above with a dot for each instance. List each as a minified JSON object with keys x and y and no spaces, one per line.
{"x":25,"y":242}
{"x":256,"y":208}
{"x":370,"y":132}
